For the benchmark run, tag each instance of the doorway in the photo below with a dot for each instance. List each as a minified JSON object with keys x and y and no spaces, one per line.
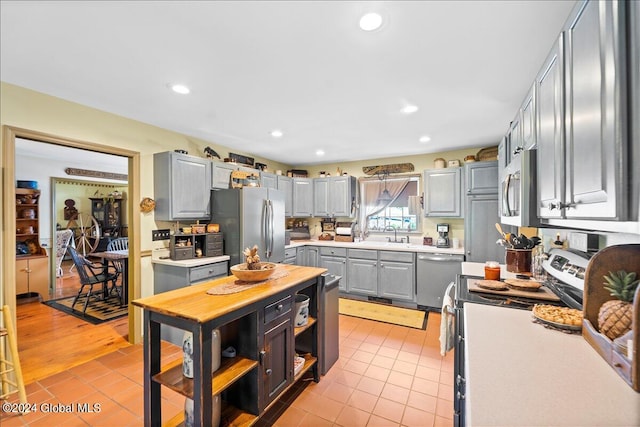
{"x":10,"y":136}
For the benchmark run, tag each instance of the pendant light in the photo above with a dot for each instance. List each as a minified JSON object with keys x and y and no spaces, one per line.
{"x":384,"y":198}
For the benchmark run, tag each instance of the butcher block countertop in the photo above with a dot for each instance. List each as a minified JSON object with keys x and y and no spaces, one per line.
{"x":519,"y":373}
{"x":193,"y":302}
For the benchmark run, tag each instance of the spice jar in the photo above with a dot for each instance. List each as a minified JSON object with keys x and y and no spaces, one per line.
{"x":492,"y":270}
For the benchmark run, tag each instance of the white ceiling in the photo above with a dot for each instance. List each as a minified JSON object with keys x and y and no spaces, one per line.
{"x":302,"y":67}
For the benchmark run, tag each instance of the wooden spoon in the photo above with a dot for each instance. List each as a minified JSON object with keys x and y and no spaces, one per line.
{"x":499,"y":228}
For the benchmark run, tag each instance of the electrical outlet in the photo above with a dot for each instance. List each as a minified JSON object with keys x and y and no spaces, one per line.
{"x":160,"y":234}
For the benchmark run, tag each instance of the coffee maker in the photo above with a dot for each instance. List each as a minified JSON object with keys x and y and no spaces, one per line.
{"x":443,"y":236}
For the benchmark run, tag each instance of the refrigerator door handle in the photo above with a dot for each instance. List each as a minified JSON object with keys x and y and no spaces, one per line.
{"x":265,"y":227}
{"x":269,"y":235}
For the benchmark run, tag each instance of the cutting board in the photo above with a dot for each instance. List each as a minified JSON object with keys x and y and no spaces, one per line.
{"x":542,"y":294}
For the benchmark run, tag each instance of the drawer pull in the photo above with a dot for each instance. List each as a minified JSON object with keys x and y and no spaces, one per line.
{"x":459,"y":379}
{"x":460,"y":396}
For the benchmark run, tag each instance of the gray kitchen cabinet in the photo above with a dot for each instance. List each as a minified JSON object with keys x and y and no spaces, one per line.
{"x":481,"y":178}
{"x":397,"y":275}
{"x":302,"y":197}
{"x":334,"y":196}
{"x":221,"y":175}
{"x":550,"y":132}
{"x":442,"y":196}
{"x":301,"y":256}
{"x":321,"y":197}
{"x":182,"y":186}
{"x":286,"y":184}
{"x":362,"y":271}
{"x":514,"y":136}
{"x":269,"y":180}
{"x":481,"y":212}
{"x":595,"y":77}
{"x":335,"y":261}
{"x":290,"y":256}
{"x":528,"y":120}
{"x":313,"y":256}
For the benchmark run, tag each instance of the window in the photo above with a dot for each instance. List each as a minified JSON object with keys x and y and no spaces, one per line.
{"x":401,"y":213}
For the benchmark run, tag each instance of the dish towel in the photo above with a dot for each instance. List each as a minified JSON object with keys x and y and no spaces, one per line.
{"x":447,"y":330}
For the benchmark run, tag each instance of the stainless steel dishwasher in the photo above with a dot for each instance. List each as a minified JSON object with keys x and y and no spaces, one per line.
{"x":434,"y":271}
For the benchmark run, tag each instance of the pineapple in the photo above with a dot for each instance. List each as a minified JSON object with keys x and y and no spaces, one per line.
{"x":615,"y":316}
{"x":252,"y":258}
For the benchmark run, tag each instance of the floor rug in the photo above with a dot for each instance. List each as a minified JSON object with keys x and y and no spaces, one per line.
{"x":97,"y":311}
{"x":384,"y":313}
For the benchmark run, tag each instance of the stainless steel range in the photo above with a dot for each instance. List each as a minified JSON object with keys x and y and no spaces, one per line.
{"x":565,"y":280}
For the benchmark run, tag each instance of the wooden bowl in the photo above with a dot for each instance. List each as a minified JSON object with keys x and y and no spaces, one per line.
{"x":246,"y":275}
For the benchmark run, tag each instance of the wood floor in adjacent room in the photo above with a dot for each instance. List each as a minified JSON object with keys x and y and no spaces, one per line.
{"x":386,"y":375}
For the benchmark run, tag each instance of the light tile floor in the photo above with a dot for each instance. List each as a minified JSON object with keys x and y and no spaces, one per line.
{"x":386,"y":375}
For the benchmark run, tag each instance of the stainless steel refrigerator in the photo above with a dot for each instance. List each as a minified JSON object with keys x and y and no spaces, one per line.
{"x":250,"y":216}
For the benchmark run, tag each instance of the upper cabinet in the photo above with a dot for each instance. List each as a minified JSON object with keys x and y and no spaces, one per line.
{"x":286,"y":184}
{"x":269,"y":180}
{"x":221,"y":175}
{"x":334,"y":196}
{"x":182,"y":186}
{"x":481,"y":177}
{"x":595,"y":117}
{"x":302,"y":197}
{"x":550,"y":132}
{"x":443,"y":193}
{"x":528,"y":121}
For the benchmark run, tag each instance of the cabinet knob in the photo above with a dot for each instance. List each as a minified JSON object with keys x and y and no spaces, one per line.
{"x":279,"y":307}
{"x":460,"y":396}
{"x":459,"y":379}
{"x":268,"y":371}
{"x":517,"y":151}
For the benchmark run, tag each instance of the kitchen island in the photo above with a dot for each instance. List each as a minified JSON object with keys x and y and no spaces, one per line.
{"x":258,"y":322}
{"x":519,"y":373}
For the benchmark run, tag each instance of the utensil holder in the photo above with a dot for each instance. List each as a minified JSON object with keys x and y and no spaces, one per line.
{"x":518,"y":260}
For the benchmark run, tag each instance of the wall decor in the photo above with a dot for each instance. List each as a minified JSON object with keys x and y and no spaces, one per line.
{"x":96,"y":174}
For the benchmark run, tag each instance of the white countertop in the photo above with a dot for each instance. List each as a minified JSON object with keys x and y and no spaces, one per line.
{"x":521,"y":374}
{"x":377,"y":245}
{"x":194,"y":262}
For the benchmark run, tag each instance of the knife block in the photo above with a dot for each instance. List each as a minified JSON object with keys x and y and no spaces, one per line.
{"x":612,"y":258}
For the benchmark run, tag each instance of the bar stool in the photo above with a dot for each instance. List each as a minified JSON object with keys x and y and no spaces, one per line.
{"x":8,"y":339}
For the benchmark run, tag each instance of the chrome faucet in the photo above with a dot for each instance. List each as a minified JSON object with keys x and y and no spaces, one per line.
{"x":395,"y":234}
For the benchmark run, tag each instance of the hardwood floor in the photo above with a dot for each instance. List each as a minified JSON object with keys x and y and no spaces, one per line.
{"x":50,"y":341}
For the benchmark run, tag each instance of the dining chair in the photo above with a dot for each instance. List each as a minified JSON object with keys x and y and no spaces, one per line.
{"x":119,"y":244}
{"x":63,"y":237}
{"x":90,"y":275}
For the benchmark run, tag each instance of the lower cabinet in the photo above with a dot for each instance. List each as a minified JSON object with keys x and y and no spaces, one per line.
{"x":397,"y":275}
{"x":277,"y":359}
{"x":335,"y":261}
{"x":32,"y":276}
{"x":385,"y":274}
{"x":290,"y":256}
{"x":362,"y":269}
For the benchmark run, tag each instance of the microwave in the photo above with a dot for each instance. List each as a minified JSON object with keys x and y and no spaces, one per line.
{"x":518,"y":193}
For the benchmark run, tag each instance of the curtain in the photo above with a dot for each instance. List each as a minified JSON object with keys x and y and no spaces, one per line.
{"x":370,"y":192}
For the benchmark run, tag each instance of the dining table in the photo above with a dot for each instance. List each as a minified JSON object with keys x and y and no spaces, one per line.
{"x":123,"y":256}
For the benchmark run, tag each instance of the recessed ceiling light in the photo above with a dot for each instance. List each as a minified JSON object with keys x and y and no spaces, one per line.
{"x":319,"y":152}
{"x":424,"y":139}
{"x":409,"y":109}
{"x":276,"y":133}
{"x":179,"y":88}
{"x":370,"y":21}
